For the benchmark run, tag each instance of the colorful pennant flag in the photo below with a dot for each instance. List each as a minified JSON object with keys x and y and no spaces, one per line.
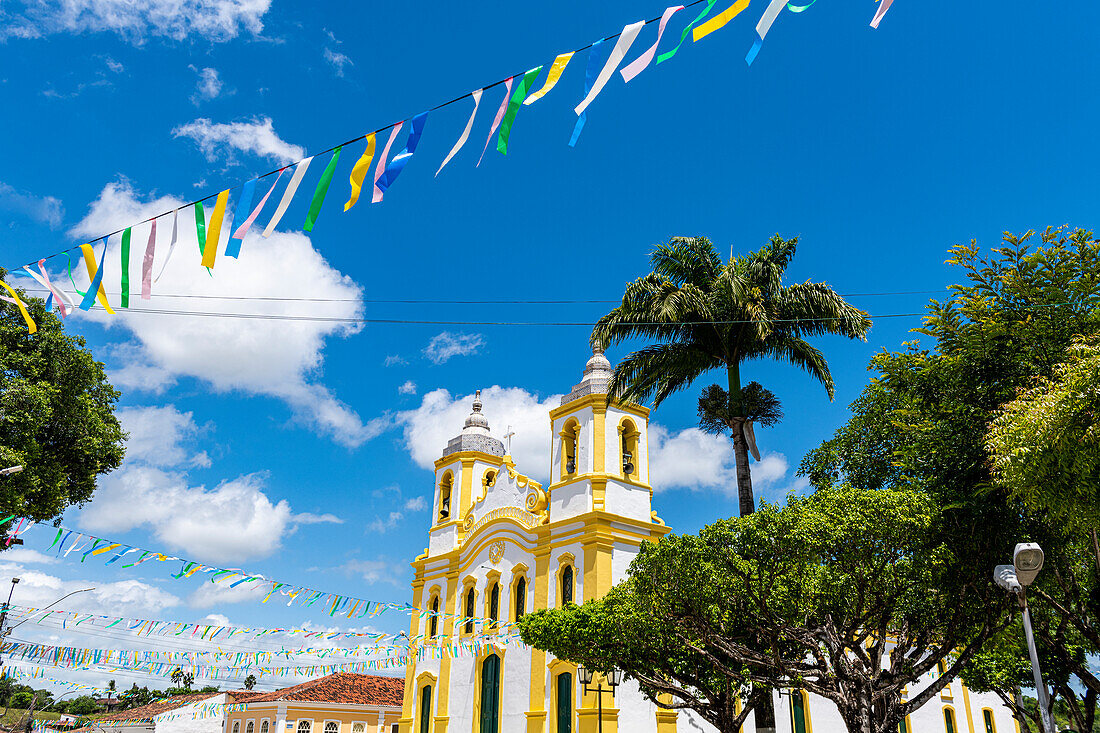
{"x":381,"y":167}
{"x":626,"y":39}
{"x":247,"y":224}
{"x":498,"y":118}
{"x":800,"y":8}
{"x":32,"y":327}
{"x":288,"y":194}
{"x":883,"y":6}
{"x":212,"y":236}
{"x":638,"y":65}
{"x":359,"y":172}
{"x":171,"y":244}
{"x":552,"y":77}
{"x":200,"y":227}
{"x":589,"y":78}
{"x":147,"y":263}
{"x":513,"y":108}
{"x":476,"y":96}
{"x":124,"y":300}
{"x":95,"y":277}
{"x":688,"y":29}
{"x":762,"y":28}
{"x":393,"y":170}
{"x":719,"y":21}
{"x":321,"y":191}
{"x":244,"y":203}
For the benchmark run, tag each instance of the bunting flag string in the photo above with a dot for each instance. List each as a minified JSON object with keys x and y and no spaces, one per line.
{"x":208,"y":234}
{"x":32,"y":327}
{"x":231,"y":577}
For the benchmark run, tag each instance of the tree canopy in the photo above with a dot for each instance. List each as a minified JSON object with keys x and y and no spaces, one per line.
{"x":56,"y":416}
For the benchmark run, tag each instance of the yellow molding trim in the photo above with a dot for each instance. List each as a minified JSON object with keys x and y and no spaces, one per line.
{"x":599,"y":401}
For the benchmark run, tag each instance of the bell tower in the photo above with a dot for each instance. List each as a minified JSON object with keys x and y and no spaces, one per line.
{"x":462,"y":468}
{"x":600,"y":455}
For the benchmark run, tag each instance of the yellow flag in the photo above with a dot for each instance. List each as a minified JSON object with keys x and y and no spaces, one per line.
{"x":31,"y":326}
{"x":89,"y":262}
{"x":359,"y":172}
{"x":719,"y":20}
{"x":215,"y":229}
{"x":551,"y":77}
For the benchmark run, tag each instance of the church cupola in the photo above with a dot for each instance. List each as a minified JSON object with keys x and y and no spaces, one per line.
{"x":475,"y":434}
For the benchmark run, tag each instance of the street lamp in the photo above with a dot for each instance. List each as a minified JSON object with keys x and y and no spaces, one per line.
{"x":10,"y":470}
{"x":1027,"y":561}
{"x":614,"y":677}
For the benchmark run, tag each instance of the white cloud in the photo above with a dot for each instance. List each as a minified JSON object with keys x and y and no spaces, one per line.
{"x":216,"y":594}
{"x":446,"y":345}
{"x":44,"y":209}
{"x":395,"y":360}
{"x":134,"y":20}
{"x":38,"y":589}
{"x":27,"y":555}
{"x":380,"y":526}
{"x":440,"y":417}
{"x":310,"y":518}
{"x":157,"y":435}
{"x":338,"y":61}
{"x":378,"y":571}
{"x":408,"y":387}
{"x":224,"y":139}
{"x":275,"y":358}
{"x":208,"y":86}
{"x":114,"y":66}
{"x":416,"y":504}
{"x":692,"y":459}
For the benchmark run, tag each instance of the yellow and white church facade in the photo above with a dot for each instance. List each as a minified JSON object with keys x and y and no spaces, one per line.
{"x":502,"y":545}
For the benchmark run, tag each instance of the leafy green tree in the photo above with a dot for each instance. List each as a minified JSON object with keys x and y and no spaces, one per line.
{"x":835,"y":593}
{"x":930,"y":417}
{"x":704,"y":314}
{"x":56,"y":416}
{"x":83,"y":705}
{"x":250,"y":682}
{"x":1046,"y":443}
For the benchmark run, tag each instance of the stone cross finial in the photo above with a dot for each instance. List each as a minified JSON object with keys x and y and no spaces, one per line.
{"x":508,"y":437}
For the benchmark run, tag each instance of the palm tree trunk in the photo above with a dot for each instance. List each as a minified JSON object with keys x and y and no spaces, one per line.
{"x":746,"y":504}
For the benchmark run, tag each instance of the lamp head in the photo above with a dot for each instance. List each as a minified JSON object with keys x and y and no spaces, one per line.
{"x":1027,"y":558}
{"x":614,"y":677}
{"x":1005,"y":575}
{"x":585,"y":675}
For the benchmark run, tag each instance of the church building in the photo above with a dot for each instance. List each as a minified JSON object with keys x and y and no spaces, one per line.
{"x":502,"y":545}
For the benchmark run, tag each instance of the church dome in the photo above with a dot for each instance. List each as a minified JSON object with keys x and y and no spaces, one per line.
{"x":597,"y":373}
{"x":475,"y":434}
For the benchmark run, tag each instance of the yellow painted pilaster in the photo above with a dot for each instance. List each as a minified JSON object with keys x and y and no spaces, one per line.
{"x":966,"y":704}
{"x":442,"y":715}
{"x":536,"y":713}
{"x":405,"y":724}
{"x":666,"y":719}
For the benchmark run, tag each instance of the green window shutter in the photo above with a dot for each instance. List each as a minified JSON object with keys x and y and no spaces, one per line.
{"x":902,"y":727}
{"x":988,"y":716}
{"x":948,"y":720}
{"x":565,"y":703}
{"x":798,"y":711}
{"x":425,"y":709}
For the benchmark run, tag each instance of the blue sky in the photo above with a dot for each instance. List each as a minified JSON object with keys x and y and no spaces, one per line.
{"x":300,"y":450}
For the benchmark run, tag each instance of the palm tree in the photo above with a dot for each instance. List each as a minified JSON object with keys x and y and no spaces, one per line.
{"x":250,"y":682}
{"x":704,"y":314}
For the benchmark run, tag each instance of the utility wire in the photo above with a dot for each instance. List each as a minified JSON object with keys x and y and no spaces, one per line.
{"x":348,"y":142}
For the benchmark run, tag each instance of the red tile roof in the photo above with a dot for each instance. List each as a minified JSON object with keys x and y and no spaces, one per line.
{"x":343,"y":687}
{"x":146,"y":712}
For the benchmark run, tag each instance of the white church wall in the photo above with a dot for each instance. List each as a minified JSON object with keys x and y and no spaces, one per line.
{"x":627,"y":501}
{"x":622,"y":555}
{"x":443,"y":539}
{"x":516,"y":697}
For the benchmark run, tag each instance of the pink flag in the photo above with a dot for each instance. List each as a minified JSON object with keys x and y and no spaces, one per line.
{"x":381,"y":167}
{"x":499,"y":117}
{"x":243,"y":228}
{"x":638,"y":65}
{"x":147,"y":264}
{"x":883,"y":6}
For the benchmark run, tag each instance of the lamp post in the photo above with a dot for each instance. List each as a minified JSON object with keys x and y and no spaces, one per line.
{"x":614,"y":677}
{"x":1027,"y":561}
{"x":4,"y":612}
{"x":10,"y":470}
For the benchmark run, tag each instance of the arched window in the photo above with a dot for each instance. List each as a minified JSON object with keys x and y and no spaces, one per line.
{"x":250,"y":727}
{"x":358,"y":727}
{"x":565,"y":703}
{"x":521,"y":598}
{"x":265,"y":726}
{"x":566,"y":585}
{"x":470,"y":611}
{"x":304,"y":726}
{"x":490,"y":478}
{"x":949,"y":720}
{"x":425,"y":709}
{"x":629,"y":449}
{"x":987,"y":716}
{"x":798,"y":712}
{"x":331,"y":726}
{"x":445,"y":496}
{"x":433,"y":624}
{"x":490,"y":695}
{"x":237,"y":727}
{"x":494,"y":603}
{"x":569,"y":440}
